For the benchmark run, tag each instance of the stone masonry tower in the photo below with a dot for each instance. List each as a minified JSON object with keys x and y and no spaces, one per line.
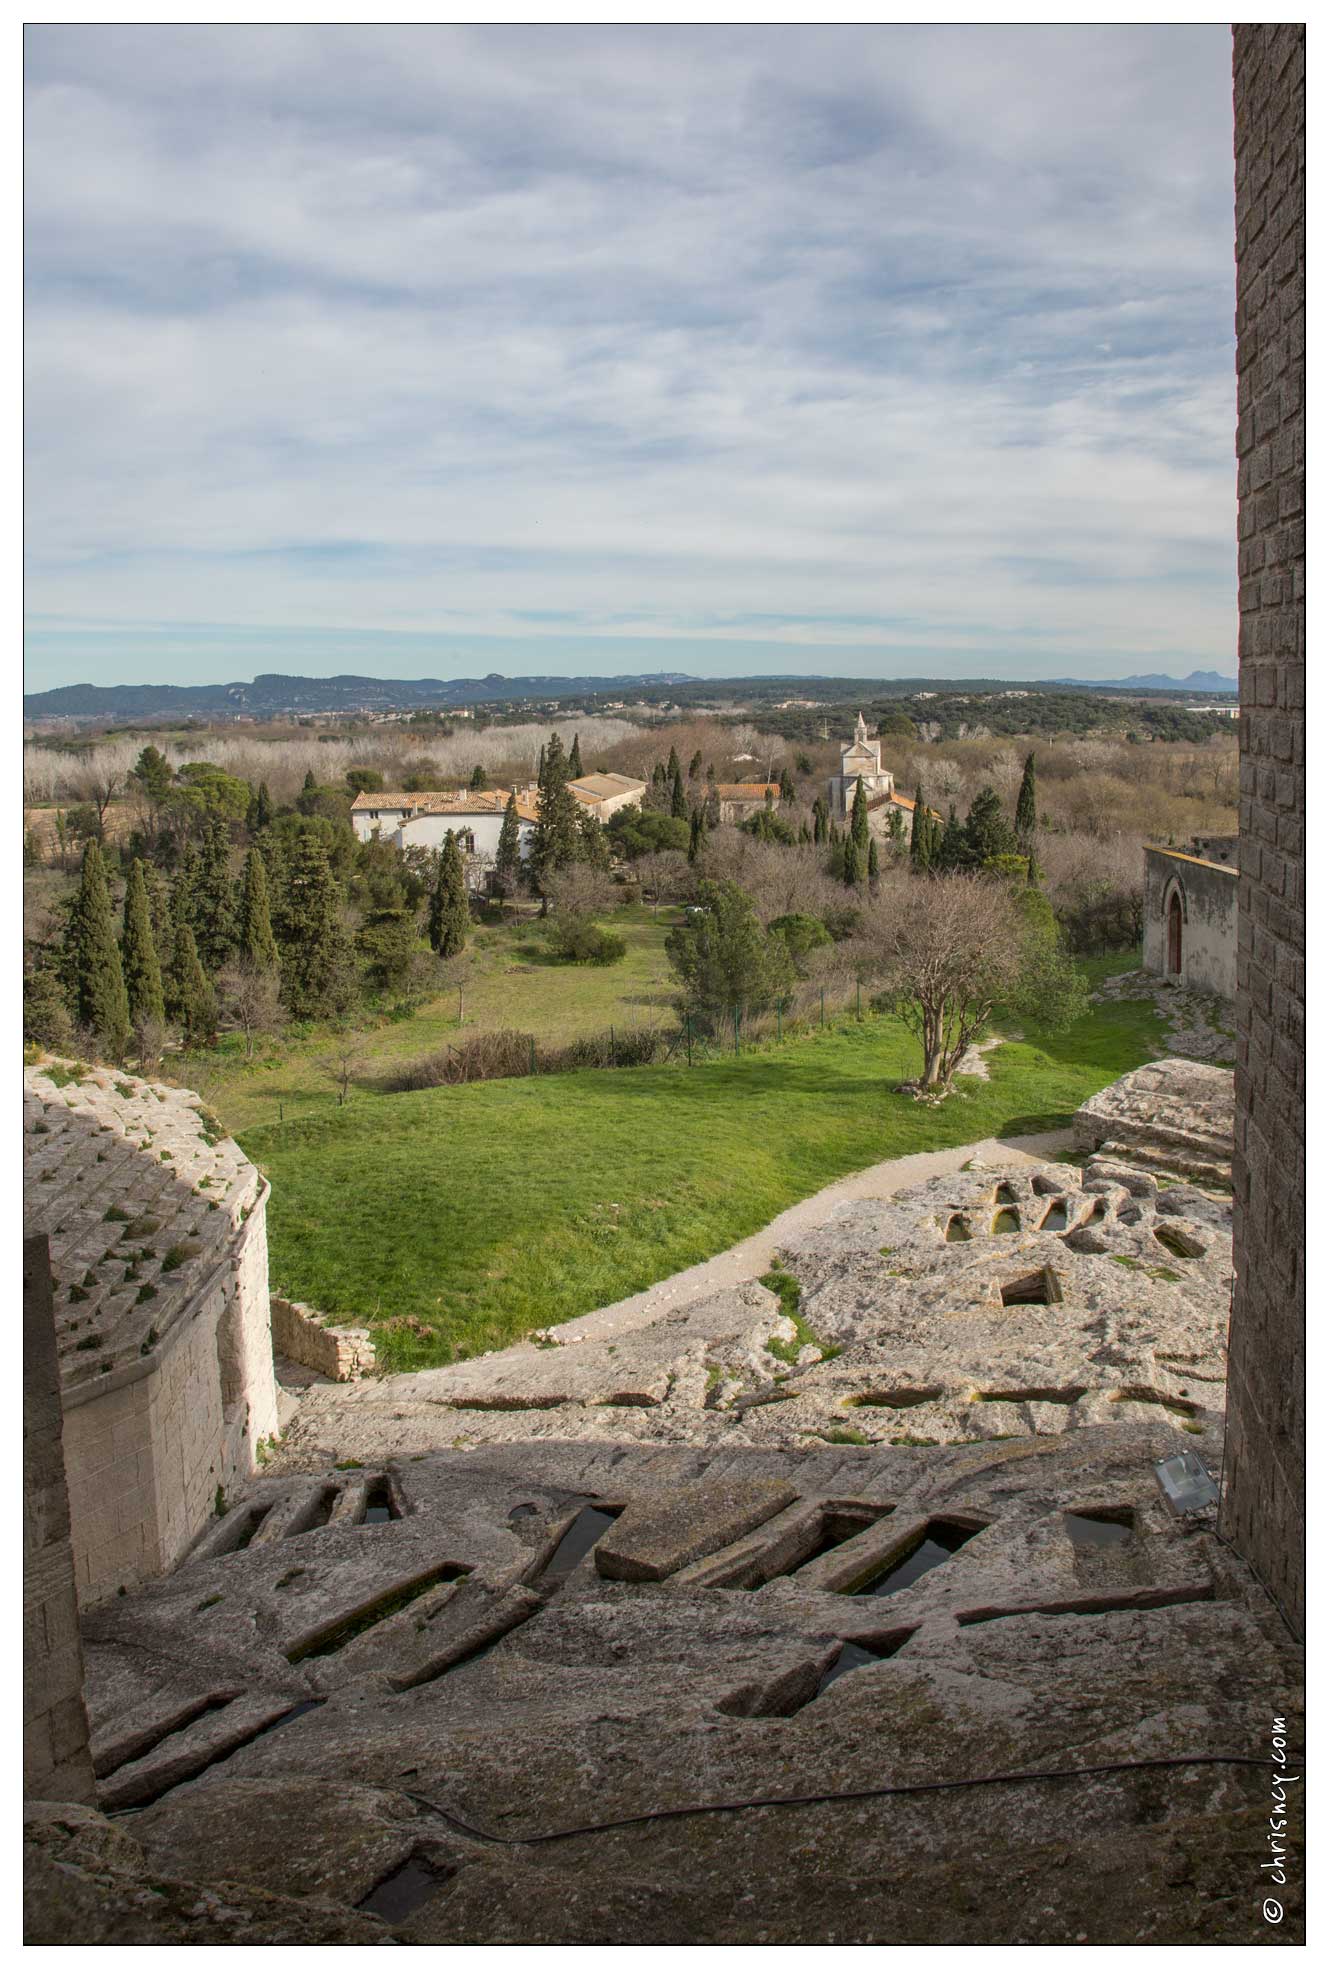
{"x":1264,"y":1499}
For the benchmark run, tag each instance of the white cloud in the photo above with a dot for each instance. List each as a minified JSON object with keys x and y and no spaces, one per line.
{"x":892,"y":338}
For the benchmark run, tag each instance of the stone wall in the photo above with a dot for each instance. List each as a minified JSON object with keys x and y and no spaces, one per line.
{"x":1264,"y":1498}
{"x":301,"y":1334}
{"x":1209,"y":920}
{"x":56,"y":1760}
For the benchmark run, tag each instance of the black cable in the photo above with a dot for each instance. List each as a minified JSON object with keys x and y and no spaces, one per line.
{"x":839,"y":1797}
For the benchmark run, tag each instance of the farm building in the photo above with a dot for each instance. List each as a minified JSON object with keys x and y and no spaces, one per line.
{"x":1190,"y":915}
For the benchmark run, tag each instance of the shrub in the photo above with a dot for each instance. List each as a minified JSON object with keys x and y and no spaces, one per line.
{"x":577,"y":940}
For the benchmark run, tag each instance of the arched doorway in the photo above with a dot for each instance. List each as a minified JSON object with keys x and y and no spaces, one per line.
{"x":1174,"y":936}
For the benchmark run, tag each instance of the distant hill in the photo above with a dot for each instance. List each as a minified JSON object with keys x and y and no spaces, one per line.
{"x":273,"y":695}
{"x":1199,"y":680}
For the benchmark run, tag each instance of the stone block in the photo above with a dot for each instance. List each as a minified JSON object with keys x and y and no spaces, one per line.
{"x":653,"y":1539}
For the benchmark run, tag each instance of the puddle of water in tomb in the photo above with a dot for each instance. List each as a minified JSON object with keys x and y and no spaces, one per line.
{"x":958,"y":1231}
{"x":1093,"y":1534}
{"x":1056,"y":1219}
{"x":587,"y":1529}
{"x":402,"y":1892}
{"x":378,"y":1514}
{"x":939,"y":1543}
{"x":1005,"y":1222}
{"x":852,"y":1656}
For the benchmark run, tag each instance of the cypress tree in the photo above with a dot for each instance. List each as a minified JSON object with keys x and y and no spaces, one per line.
{"x":678,"y":805}
{"x":449,"y":916}
{"x":138,"y":952}
{"x":556,"y":836}
{"x":858,"y":818}
{"x":190,"y":1001}
{"x":540,"y":770}
{"x":263,"y":809}
{"x":874,"y":860}
{"x":804,"y":836}
{"x":695,"y":767}
{"x":696,"y":834}
{"x":310,"y":782}
{"x":254,"y":928}
{"x":479,"y":780}
{"x":507,"y":861}
{"x":853,"y":863}
{"x":712,"y":808}
{"x":788,"y":791}
{"x":314,"y":954}
{"x":918,"y":837}
{"x":184,"y":887}
{"x":672,"y":768}
{"x":100,"y":1000}
{"x":574,"y":757}
{"x":213,"y":920}
{"x":819,"y":821}
{"x":1026,"y":808}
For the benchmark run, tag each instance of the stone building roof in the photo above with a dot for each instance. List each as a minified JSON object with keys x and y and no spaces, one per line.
{"x":493,"y":800}
{"x":594,"y":787}
{"x":139,"y":1192}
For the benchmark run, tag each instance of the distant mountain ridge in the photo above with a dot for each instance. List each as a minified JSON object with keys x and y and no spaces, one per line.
{"x":272,"y":693}
{"x":1199,"y":680}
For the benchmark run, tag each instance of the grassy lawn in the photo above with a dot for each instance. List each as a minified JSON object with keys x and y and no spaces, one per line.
{"x":510,"y":982}
{"x":459,"y":1218}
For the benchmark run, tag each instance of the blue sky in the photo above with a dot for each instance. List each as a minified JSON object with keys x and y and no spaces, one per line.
{"x":434,"y":351}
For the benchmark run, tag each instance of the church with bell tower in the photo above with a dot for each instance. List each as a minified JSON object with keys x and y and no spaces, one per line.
{"x":860,"y":759}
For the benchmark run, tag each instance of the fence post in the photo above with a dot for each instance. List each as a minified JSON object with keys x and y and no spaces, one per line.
{"x":532,"y":1052}
{"x":611,"y":1046}
{"x":779,"y":1022}
{"x":858,"y":1001}
{"x":687,"y":1027}
{"x":823,"y":1004}
{"x":735,"y":1032}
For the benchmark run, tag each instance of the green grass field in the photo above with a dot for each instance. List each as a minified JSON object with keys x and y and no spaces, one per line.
{"x":510,"y":982}
{"x":457,"y":1219}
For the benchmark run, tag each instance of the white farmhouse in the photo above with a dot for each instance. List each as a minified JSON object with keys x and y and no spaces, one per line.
{"x":607,"y":793}
{"x":422,"y":820}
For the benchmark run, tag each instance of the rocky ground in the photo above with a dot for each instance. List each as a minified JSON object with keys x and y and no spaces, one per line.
{"x":1199,"y":1025}
{"x":465,"y":1723}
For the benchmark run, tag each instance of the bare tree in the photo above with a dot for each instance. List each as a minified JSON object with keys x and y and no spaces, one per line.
{"x":579,"y":890}
{"x":949,"y":950}
{"x":250,"y":1000}
{"x":347,"y":1060}
{"x":151,"y":1038}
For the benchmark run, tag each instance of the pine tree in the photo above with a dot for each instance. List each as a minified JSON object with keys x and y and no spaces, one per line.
{"x":254,"y":927}
{"x":678,"y":804}
{"x":556,"y":836}
{"x":315,"y":957}
{"x":100,"y":1001}
{"x":952,"y":851}
{"x":138,"y":952}
{"x":1026,"y":808}
{"x":213,"y":920}
{"x":574,"y":757}
{"x":874,"y":861}
{"x":507,"y":861}
{"x":190,"y":1000}
{"x":594,"y":846}
{"x":987,"y":833}
{"x":158,"y":892}
{"x":449,"y":915}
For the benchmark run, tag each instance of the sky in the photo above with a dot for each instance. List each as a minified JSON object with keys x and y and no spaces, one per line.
{"x":436,"y":351}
